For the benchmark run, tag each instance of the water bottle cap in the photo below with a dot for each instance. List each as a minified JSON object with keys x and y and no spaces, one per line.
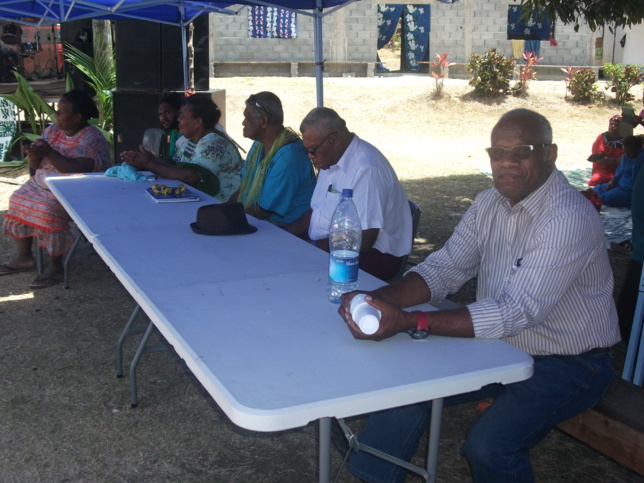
{"x":347,"y":192}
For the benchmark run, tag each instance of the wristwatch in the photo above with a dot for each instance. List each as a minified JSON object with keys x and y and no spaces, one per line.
{"x":422,"y":326}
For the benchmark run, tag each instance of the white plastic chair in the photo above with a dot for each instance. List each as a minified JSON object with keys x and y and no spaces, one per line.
{"x":154,"y":139}
{"x":634,"y":364}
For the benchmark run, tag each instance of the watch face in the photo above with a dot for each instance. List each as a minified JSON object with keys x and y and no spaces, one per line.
{"x":418,"y":334}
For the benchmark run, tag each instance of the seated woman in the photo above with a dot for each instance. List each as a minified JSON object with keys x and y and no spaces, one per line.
{"x":71,"y":145}
{"x":619,"y":190}
{"x":209,"y":160}
{"x":606,"y":153}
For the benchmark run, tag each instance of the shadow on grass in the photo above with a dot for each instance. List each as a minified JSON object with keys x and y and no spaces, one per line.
{"x":443,"y":200}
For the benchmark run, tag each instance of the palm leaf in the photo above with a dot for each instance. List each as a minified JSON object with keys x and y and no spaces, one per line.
{"x":69,"y":83}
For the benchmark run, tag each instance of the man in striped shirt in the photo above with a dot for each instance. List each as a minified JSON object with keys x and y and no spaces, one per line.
{"x":544,"y":285}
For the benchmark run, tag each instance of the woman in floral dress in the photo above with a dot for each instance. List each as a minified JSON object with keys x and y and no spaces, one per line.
{"x":209,"y":160}
{"x":71,"y":145}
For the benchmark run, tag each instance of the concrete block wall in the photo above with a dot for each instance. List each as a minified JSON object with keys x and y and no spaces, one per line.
{"x":475,"y":26}
{"x":349,"y":35}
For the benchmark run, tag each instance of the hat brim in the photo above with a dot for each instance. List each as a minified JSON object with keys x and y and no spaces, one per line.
{"x":200,"y":231}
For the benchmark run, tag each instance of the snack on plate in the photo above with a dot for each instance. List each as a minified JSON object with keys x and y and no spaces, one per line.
{"x":168,"y":191}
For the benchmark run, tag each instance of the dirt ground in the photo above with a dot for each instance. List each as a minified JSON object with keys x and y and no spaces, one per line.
{"x":65,"y":417}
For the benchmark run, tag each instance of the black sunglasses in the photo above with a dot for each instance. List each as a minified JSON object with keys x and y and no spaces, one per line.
{"x":313,"y":152}
{"x":252,"y":100}
{"x":519,"y":152}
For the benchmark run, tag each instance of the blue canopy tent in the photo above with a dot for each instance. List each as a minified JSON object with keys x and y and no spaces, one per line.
{"x":177,"y":12}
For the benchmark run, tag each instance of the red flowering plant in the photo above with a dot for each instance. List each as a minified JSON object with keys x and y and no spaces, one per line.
{"x":439,"y":72}
{"x":526,"y":73}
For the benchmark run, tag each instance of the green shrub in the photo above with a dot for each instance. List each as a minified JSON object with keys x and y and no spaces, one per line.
{"x":622,"y":79}
{"x":492,"y":73}
{"x":582,"y":85}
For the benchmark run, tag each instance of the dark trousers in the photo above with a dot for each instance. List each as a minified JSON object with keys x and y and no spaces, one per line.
{"x":381,"y":265}
{"x":497,"y":445}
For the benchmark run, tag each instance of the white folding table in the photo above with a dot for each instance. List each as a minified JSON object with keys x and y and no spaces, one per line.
{"x":249,"y":316}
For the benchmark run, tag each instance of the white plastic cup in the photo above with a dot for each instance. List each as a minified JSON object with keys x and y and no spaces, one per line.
{"x":366,"y":316}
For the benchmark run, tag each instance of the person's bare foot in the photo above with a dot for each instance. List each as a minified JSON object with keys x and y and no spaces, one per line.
{"x":50,"y":276}
{"x":17,"y":266}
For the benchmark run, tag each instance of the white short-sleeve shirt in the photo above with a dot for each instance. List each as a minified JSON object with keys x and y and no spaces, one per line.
{"x":377,"y":193}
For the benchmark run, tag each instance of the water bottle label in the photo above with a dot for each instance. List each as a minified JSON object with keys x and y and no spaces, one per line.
{"x":343,"y":266}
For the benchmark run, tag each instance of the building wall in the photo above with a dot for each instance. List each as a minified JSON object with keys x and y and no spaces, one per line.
{"x":631,"y":53}
{"x":476,"y":26}
{"x":349,"y":35}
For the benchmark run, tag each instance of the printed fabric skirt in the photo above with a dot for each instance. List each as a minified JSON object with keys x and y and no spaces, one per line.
{"x":35,"y":212}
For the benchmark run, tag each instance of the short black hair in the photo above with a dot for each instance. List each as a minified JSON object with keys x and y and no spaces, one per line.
{"x":633,"y":142}
{"x":175,"y":99}
{"x":205,"y":108}
{"x":82,"y":103}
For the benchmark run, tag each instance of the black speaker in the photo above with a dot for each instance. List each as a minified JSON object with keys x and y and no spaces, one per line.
{"x":138,"y":55}
{"x":134,"y":112}
{"x":172,"y":56}
{"x":149,"y":56}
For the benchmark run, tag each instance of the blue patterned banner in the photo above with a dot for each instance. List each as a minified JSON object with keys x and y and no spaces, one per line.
{"x":537,"y":27}
{"x":271,"y":23}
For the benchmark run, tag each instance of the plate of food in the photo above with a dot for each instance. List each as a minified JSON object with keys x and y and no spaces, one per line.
{"x":162,"y":193}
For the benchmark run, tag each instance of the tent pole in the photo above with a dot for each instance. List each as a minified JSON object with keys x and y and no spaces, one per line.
{"x":319,"y":61}
{"x":184,"y":46}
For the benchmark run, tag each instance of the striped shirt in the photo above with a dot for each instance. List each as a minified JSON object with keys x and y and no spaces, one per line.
{"x":545,"y":284}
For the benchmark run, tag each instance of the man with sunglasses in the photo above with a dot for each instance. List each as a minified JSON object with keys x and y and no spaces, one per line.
{"x":278,"y":178}
{"x":344,"y":161}
{"x":545,"y":285}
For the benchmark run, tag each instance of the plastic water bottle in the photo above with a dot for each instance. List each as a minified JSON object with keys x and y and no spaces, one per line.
{"x":345,"y":238}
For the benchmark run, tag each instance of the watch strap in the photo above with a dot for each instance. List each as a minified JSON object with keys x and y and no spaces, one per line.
{"x":422,"y":323}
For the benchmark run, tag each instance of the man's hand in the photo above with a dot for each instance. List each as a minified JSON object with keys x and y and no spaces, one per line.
{"x":393,"y":319}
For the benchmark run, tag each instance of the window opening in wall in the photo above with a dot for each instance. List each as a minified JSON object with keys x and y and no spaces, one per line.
{"x":403,"y":38}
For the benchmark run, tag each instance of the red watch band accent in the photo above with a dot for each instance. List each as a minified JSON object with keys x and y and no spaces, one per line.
{"x":422,"y":323}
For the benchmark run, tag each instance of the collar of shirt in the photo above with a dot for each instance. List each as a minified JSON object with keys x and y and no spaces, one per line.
{"x":345,"y":159}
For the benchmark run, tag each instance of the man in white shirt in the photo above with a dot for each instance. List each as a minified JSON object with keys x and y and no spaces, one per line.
{"x":345,"y":161}
{"x":544,"y":285}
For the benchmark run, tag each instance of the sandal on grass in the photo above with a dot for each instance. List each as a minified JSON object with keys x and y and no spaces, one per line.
{"x":7,"y":270}
{"x":45,"y":282}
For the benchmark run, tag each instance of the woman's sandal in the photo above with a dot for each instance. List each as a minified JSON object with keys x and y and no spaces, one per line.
{"x":45,"y":282}
{"x":7,"y":270}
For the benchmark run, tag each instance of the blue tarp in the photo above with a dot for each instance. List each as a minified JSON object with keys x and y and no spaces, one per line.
{"x":177,"y":12}
{"x":173,"y":12}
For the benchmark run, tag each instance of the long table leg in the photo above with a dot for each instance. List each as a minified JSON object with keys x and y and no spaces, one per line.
{"x":139,"y":352}
{"x":434,"y":438}
{"x":68,"y":257}
{"x":325,"y":450}
{"x":355,"y":445}
{"x":124,"y":334}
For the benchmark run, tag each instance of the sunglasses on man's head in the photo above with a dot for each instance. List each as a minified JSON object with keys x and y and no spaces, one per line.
{"x":519,"y":152}
{"x":252,"y":100}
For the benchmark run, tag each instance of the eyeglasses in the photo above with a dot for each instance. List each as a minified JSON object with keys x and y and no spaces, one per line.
{"x":313,"y":152}
{"x":519,"y":152}
{"x":253,"y":101}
